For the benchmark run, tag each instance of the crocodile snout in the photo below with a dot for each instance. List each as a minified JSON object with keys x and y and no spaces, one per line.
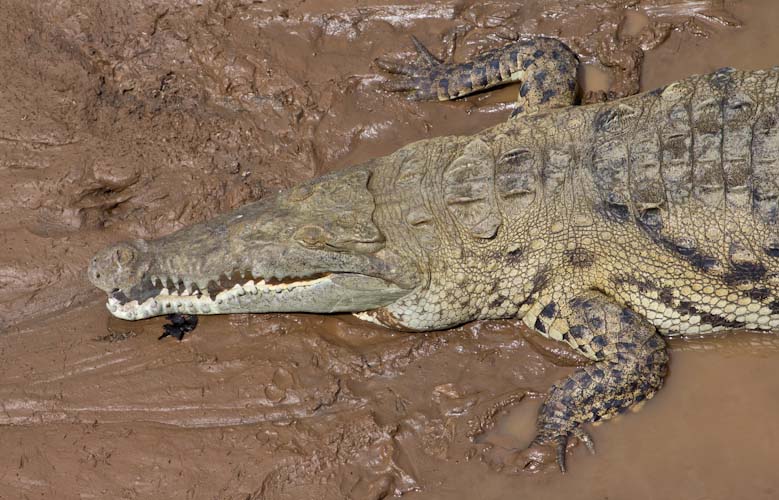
{"x":117,"y":266}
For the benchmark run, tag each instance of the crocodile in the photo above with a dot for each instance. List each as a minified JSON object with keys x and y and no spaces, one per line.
{"x":607,"y":227}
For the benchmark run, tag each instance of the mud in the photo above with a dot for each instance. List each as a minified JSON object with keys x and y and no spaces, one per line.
{"x":132,"y":119}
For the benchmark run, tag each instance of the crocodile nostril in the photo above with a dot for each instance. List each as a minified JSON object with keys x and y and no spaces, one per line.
{"x":123,"y":256}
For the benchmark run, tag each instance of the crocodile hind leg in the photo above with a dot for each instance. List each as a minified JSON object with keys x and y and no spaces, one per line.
{"x":546,"y":68}
{"x":630,"y":364}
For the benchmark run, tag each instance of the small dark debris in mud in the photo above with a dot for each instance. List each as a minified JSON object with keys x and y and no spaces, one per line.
{"x":116,"y":335}
{"x":180,"y":325}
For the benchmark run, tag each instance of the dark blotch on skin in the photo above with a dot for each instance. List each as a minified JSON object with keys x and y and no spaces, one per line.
{"x":498,"y":301}
{"x":772,"y":250}
{"x":580,"y":257}
{"x":538,"y":53}
{"x":652,"y":219}
{"x":708,"y":318}
{"x":540,"y":77}
{"x":518,"y":111}
{"x":690,"y":254}
{"x":758,"y":293}
{"x":514,"y":256}
{"x":604,"y":118}
{"x":747,"y":272}
{"x":524,"y":89}
{"x":549,"y":311}
{"x":494,"y":67}
{"x":627,"y":317}
{"x":577,"y":331}
{"x":443,"y":84}
{"x":539,"y":325}
{"x":666,"y":296}
{"x":465,"y":81}
{"x":616,"y":211}
{"x":548,"y":94}
{"x":480,"y":76}
{"x":526,"y":63}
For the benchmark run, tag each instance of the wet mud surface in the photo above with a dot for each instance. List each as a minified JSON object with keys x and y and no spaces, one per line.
{"x":133,"y":119}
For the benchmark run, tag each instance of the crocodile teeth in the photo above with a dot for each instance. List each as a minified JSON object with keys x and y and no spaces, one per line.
{"x":249,"y":287}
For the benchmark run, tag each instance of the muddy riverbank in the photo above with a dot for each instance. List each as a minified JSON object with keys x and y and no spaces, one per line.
{"x":133,"y":119}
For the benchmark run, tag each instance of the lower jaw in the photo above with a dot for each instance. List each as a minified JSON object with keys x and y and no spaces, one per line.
{"x":240,"y":299}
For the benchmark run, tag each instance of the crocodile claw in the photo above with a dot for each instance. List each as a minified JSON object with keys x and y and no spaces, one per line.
{"x":538,"y":455}
{"x":561,"y":445}
{"x":416,"y":78}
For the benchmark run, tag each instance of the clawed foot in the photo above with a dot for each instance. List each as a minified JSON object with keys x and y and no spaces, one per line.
{"x":537,"y":457}
{"x":418,"y":79}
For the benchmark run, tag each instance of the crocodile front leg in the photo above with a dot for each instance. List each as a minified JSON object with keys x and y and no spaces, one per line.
{"x":545,"y":66}
{"x":630,"y":364}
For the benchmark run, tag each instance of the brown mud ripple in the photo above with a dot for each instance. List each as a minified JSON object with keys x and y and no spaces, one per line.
{"x":112,"y":110}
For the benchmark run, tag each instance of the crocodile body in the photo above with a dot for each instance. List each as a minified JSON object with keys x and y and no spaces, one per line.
{"x":605,"y":226}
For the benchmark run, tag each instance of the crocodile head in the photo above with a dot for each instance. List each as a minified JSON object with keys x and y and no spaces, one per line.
{"x":314,"y":248}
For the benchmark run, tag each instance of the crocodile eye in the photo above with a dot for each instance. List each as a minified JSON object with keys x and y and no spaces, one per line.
{"x":311,"y":236}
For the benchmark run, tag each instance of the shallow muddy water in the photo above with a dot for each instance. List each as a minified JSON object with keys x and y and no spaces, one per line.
{"x":133,"y":119}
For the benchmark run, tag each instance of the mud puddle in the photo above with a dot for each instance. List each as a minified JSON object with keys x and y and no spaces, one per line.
{"x":135,"y":119}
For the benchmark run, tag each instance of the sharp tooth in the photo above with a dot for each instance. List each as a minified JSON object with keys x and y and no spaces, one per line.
{"x":164,"y":291}
{"x":185,"y":292}
{"x":249,"y":287}
{"x":238,"y":290}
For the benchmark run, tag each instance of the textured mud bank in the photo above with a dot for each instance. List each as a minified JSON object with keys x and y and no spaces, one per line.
{"x":133,"y":119}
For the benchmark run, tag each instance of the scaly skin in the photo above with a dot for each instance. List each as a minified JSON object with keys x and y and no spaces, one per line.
{"x":602,"y":226}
